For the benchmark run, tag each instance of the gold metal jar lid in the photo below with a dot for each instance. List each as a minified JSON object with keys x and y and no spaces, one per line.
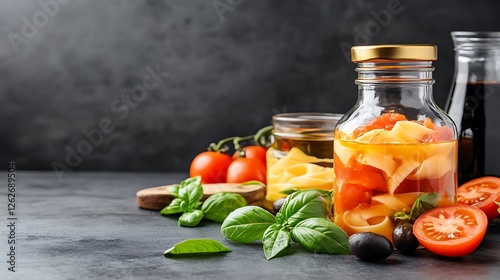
{"x":393,"y":52}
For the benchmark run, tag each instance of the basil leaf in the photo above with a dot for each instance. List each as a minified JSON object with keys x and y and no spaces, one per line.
{"x":176,"y":206}
{"x":302,"y":205}
{"x":424,"y":203}
{"x":191,"y":191}
{"x":254,"y":182}
{"x":275,"y":240}
{"x":498,"y":203}
{"x":190,"y":219}
{"x":289,"y":190}
{"x":327,"y":194}
{"x":247,"y":224}
{"x":401,"y":216}
{"x":174,"y":190}
{"x":218,"y":206}
{"x":197,"y":246}
{"x":321,"y":236}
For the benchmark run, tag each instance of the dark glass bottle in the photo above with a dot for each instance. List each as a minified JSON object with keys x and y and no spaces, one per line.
{"x":474,"y":103}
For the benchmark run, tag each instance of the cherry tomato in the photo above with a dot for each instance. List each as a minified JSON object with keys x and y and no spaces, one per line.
{"x":451,"y":231}
{"x":385,"y":121}
{"x":246,"y":169}
{"x":253,"y":152}
{"x":482,"y":193}
{"x":212,"y":166}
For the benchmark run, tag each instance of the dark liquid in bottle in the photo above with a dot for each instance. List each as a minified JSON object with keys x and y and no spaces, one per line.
{"x":478,"y":129}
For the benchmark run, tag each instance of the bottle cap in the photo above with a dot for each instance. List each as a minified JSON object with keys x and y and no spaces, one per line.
{"x":380,"y":53}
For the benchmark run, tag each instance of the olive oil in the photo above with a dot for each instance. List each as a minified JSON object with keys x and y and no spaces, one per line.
{"x":321,"y":149}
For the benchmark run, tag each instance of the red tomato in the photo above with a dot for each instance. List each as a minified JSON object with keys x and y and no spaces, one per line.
{"x":429,"y":124}
{"x":360,"y":174}
{"x":212,"y":166}
{"x":385,"y":121}
{"x":482,"y":193}
{"x":451,"y":231}
{"x":440,"y":134}
{"x":350,"y":196}
{"x":253,"y":152}
{"x":438,"y":185}
{"x":246,"y":169}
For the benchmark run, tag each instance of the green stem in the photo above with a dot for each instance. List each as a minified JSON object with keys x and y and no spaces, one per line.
{"x":260,"y":138}
{"x":262,"y":135}
{"x":220,"y":146}
{"x":237,"y":141}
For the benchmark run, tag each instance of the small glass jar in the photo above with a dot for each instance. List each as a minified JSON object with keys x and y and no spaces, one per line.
{"x":395,"y":143}
{"x":301,"y":156}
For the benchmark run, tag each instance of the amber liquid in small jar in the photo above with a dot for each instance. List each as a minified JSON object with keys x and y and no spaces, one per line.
{"x":301,"y":156}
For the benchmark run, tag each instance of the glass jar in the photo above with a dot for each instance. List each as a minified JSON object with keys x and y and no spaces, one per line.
{"x":301,"y":156}
{"x":395,"y":143}
{"x":473,"y":103}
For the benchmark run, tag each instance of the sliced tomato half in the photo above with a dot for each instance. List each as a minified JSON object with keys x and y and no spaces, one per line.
{"x":452,"y":231}
{"x":482,"y":193}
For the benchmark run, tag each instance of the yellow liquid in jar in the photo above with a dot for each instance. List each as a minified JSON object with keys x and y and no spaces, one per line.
{"x":375,"y":180}
{"x":298,"y":164}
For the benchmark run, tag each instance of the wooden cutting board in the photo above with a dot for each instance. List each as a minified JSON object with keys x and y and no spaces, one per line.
{"x":156,"y":198}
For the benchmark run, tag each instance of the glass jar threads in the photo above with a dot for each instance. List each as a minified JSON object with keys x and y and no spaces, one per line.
{"x":301,"y":156}
{"x":395,"y":143}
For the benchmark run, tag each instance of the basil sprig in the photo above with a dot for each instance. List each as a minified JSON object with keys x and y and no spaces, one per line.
{"x":302,"y":218}
{"x":191,"y":219}
{"x":275,"y":240}
{"x":289,"y":190}
{"x":302,"y":205}
{"x":196,"y":246}
{"x":218,"y":206}
{"x":188,"y":201}
{"x":247,"y":224}
{"x":321,"y":236}
{"x":422,"y":204}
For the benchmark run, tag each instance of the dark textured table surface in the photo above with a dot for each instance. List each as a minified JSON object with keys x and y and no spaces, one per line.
{"x":89,"y":227}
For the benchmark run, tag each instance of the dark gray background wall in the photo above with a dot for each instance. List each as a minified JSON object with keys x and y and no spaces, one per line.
{"x":68,"y":67}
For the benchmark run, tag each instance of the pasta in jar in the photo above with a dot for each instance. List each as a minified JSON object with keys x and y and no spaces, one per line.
{"x":376,"y":177}
{"x":301,"y":156}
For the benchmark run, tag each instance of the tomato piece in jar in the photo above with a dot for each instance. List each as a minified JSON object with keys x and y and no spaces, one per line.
{"x":385,"y":121}
{"x":350,"y":196}
{"x":439,"y":134}
{"x":439,"y":185}
{"x":359,"y":174}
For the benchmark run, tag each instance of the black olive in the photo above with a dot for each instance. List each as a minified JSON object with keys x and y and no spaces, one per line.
{"x":403,"y":238}
{"x":277,"y":204}
{"x":370,"y":247}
